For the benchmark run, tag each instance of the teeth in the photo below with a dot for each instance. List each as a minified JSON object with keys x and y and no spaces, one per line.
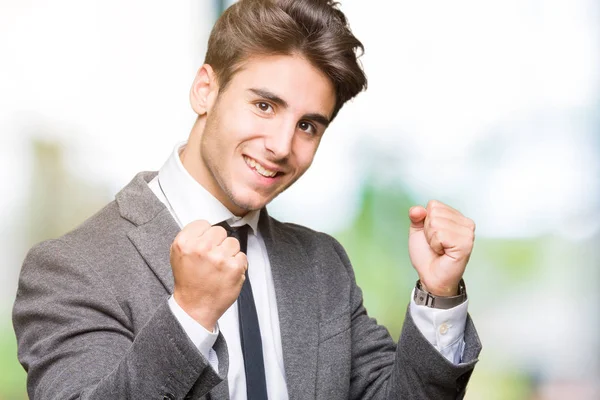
{"x":259,"y":168}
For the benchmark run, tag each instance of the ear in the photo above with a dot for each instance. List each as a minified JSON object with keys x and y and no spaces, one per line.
{"x":204,"y":90}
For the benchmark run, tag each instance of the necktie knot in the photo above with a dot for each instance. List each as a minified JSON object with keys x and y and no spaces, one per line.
{"x":238,"y":232}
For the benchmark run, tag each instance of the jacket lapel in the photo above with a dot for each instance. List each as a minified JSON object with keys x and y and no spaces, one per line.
{"x":153,"y":241}
{"x":155,"y":227}
{"x":295,"y":282}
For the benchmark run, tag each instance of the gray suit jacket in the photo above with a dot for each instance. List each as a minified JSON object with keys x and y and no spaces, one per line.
{"x":92,"y":319}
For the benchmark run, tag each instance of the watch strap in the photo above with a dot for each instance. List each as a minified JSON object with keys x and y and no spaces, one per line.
{"x":423,"y":298}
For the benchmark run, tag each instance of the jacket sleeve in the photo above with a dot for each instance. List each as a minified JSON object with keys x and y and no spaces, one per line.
{"x":412,"y":369}
{"x":76,"y":342}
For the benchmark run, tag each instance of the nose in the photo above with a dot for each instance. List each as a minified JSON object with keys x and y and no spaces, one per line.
{"x":279,"y":140}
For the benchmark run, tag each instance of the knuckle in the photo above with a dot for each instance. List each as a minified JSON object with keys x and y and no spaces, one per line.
{"x":214,"y":258}
{"x":176,"y":245}
{"x":184,"y":248}
{"x":434,"y":224}
{"x":202,"y":223}
{"x":433,"y":204}
{"x":239,"y":269}
{"x":180,"y":238}
{"x":219,"y":230}
{"x":239,"y":262}
{"x":232,"y":243}
{"x":226,"y":264}
{"x":434,"y":237}
{"x":196,"y":226}
{"x":434,"y":213}
{"x":203,"y":247}
{"x":472,"y":225}
{"x":185,"y":251}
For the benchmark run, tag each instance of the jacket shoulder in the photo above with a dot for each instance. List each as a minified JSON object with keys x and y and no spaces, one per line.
{"x":303,"y":234}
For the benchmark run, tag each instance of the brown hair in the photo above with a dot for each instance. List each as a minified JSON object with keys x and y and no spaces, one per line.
{"x":316,"y":29}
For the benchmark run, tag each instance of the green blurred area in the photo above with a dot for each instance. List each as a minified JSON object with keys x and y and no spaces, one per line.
{"x":12,"y":378}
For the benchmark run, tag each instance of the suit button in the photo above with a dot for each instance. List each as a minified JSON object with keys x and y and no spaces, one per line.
{"x":168,"y":396}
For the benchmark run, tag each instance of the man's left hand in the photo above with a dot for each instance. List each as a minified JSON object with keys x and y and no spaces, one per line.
{"x":440,"y":242}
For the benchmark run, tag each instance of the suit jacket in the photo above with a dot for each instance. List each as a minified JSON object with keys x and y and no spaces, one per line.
{"x":92,"y":319}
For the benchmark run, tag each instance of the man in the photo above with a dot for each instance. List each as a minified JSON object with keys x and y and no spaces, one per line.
{"x":184,"y":287}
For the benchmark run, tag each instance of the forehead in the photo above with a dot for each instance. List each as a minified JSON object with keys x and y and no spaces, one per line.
{"x":304,"y":87}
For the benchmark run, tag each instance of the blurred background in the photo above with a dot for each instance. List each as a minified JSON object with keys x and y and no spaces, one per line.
{"x":492,"y":107}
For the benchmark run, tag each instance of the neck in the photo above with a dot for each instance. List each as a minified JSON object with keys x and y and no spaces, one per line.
{"x":192,"y":161}
{"x":190,"y":155}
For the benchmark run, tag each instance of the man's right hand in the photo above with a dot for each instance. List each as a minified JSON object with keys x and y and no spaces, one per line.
{"x":209,"y":271}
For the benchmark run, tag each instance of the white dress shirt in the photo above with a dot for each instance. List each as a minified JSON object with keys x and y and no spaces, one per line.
{"x":188,"y":201}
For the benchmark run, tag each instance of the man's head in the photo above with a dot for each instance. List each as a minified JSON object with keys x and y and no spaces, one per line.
{"x":276,"y":74}
{"x":315,"y":29}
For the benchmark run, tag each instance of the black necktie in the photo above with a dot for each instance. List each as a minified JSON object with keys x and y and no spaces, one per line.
{"x":256,"y":386}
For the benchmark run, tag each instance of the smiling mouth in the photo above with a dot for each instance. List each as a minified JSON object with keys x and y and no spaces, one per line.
{"x":259,"y":168}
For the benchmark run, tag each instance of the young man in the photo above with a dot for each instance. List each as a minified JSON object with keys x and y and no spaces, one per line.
{"x":184,"y":287}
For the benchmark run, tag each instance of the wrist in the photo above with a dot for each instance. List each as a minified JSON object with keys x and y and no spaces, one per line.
{"x":203,"y":315}
{"x":441,"y":291}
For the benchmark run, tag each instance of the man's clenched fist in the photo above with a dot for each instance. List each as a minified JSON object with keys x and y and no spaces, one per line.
{"x":440,"y":242}
{"x":209,"y":271}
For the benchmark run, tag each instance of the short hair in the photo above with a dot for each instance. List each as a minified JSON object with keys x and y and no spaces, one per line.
{"x":315,"y":29}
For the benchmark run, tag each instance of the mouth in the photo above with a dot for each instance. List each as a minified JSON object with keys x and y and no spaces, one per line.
{"x":260,"y":169}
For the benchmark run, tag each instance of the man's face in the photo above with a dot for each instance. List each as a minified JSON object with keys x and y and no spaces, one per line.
{"x":263,"y":130}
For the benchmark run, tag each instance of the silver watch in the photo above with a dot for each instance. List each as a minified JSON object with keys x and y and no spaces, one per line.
{"x":424,"y":298}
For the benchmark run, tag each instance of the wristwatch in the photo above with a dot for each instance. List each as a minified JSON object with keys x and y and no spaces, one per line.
{"x":423,"y":298}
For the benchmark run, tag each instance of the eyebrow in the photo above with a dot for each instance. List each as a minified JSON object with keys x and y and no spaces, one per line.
{"x":316,"y":117}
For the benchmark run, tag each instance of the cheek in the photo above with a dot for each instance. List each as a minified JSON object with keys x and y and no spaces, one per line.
{"x":245,"y":126}
{"x":235,"y":121}
{"x":305,"y":153}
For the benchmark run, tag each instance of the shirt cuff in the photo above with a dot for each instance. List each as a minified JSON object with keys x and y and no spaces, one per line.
{"x":444,"y":329}
{"x":202,"y":339}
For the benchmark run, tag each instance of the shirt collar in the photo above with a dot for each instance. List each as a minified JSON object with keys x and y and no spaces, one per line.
{"x":190,"y":201}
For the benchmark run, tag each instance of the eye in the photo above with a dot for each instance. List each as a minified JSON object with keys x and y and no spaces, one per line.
{"x":307,"y":127}
{"x":264,"y":107}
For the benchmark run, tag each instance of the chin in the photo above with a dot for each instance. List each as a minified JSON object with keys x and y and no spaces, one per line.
{"x":249,"y":203}
{"x":246,"y":198}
